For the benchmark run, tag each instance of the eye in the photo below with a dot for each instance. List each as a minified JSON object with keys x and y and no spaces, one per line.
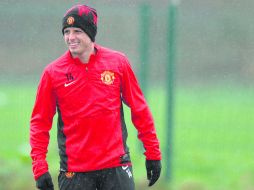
{"x":78,"y":31}
{"x":66,"y":31}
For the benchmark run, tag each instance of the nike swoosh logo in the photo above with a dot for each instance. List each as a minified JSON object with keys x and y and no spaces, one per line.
{"x":124,"y":167}
{"x":68,"y":84}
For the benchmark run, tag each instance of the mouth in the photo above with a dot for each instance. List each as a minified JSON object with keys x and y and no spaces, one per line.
{"x":73,"y":45}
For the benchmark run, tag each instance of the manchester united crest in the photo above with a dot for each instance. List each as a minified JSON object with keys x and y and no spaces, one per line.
{"x":107,"y":77}
{"x":70,"y":20}
{"x":69,"y":174}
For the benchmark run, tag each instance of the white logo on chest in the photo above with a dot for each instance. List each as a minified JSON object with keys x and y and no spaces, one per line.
{"x":68,"y":84}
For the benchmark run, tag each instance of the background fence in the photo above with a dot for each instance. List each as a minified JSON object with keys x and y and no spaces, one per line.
{"x":213,"y":93}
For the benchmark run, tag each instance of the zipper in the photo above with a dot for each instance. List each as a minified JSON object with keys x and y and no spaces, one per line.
{"x":86,"y":73}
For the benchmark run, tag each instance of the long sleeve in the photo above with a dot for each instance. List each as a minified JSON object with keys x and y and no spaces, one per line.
{"x":41,"y":123}
{"x":140,"y":113}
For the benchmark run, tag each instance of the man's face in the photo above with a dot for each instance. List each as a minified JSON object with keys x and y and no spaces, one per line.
{"x":77,"y":40}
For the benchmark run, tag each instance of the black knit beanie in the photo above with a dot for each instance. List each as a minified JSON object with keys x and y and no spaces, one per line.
{"x":83,"y":17}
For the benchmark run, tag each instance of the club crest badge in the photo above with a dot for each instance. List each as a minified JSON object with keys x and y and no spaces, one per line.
{"x":69,"y":174}
{"x":70,"y":20}
{"x":107,"y":77}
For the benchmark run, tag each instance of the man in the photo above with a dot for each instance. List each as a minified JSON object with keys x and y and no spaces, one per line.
{"x":87,"y":86}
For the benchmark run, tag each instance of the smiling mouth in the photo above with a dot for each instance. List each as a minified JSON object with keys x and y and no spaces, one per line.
{"x":73,"y":45}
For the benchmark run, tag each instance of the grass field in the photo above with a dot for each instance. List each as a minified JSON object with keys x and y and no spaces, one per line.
{"x":213,"y":138}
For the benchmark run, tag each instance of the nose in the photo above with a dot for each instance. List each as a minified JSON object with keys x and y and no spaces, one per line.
{"x":71,"y":36}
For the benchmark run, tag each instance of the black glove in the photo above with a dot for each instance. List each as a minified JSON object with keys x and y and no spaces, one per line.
{"x":44,"y":182}
{"x":153,"y":168}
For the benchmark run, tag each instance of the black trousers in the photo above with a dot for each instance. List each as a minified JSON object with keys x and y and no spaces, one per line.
{"x":119,"y":178}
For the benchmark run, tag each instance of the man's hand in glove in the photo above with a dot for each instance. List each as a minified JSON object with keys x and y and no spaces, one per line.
{"x":44,"y":182}
{"x":153,"y":168}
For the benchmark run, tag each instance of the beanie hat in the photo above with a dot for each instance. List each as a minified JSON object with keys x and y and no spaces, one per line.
{"x":83,"y":17}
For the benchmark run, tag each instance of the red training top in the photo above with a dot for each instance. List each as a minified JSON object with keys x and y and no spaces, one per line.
{"x":88,"y":97}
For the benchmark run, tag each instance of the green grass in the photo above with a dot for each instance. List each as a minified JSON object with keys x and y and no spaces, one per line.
{"x":212,"y":146}
{"x":213,"y":136}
